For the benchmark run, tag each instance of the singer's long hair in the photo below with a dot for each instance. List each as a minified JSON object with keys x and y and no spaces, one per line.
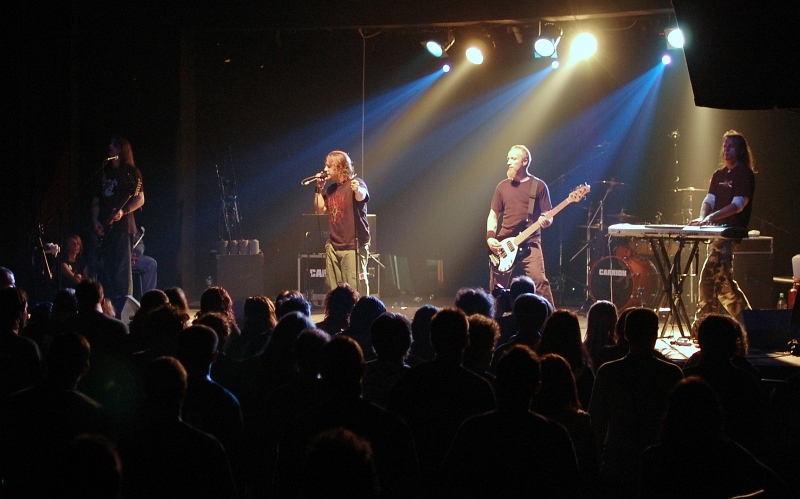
{"x":743,"y":152}
{"x":126,"y":152}
{"x":342,"y":162}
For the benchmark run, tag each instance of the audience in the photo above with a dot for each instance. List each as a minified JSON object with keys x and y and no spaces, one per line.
{"x":366,"y":310}
{"x":421,"y":348}
{"x":259,"y":321}
{"x":600,"y":323}
{"x":342,"y":370}
{"x":164,"y":456}
{"x":692,"y":436}
{"x":519,"y":285}
{"x":435,"y":397}
{"x":475,"y":301}
{"x":628,"y":400}
{"x":339,"y":302}
{"x":20,"y":358}
{"x":739,"y":391}
{"x":483,"y":336}
{"x":281,"y":409}
{"x":557,"y":399}
{"x":391,"y":338}
{"x":561,"y":334}
{"x":511,"y":451}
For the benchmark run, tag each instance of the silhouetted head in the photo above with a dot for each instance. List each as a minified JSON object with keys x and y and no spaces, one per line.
{"x":449,"y":333}
{"x":391,"y":336}
{"x":641,"y":329}
{"x":13,"y":309}
{"x":530,"y":312}
{"x":475,"y":301}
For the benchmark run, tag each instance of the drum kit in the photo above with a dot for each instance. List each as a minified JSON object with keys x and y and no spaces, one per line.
{"x":621,"y":270}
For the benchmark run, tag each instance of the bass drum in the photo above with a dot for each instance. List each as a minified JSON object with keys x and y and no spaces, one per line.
{"x":626,"y":282}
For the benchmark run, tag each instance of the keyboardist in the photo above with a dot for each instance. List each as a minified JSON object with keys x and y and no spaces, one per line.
{"x":729,"y":202}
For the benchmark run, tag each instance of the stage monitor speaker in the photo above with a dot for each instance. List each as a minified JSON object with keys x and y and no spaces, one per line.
{"x":311,"y":275}
{"x":241,"y":275}
{"x":399,"y":276}
{"x":769,"y":329}
{"x":752,"y":270}
{"x":316,"y":231}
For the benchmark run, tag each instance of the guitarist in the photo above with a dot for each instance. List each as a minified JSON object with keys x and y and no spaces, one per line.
{"x":119,"y":195}
{"x":512,"y":200}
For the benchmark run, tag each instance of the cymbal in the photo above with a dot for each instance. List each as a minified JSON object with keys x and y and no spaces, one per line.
{"x":593,"y":226}
{"x":610,"y":183}
{"x":623,"y":216}
{"x":688,"y":189}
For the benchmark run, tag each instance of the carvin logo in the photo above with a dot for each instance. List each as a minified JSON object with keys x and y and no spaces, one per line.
{"x":614,"y":272}
{"x":317,"y":272}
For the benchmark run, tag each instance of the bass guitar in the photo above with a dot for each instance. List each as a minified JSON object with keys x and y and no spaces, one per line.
{"x":108,"y":222}
{"x":503,"y":260}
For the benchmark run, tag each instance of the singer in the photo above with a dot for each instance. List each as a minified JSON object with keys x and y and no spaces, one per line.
{"x":118,"y":196}
{"x":345,"y":201}
{"x":521,"y":199}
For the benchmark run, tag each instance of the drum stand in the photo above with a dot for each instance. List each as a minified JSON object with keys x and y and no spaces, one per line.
{"x":599,"y":215}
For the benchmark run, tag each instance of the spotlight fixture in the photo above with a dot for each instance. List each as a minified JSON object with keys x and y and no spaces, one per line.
{"x":675,"y":39}
{"x":546,"y":43}
{"x":477,"y":47}
{"x":583,"y":46}
{"x":438,"y":46}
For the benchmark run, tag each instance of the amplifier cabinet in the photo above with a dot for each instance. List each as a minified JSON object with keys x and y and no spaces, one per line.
{"x":752,"y":270}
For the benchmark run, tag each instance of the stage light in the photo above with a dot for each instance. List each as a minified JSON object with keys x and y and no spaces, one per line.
{"x":477,"y":46}
{"x":675,"y":39}
{"x":583,"y":46}
{"x":438,"y":46}
{"x":445,"y":68}
{"x":474,"y":55}
{"x":666,"y":59}
{"x":554,"y":65}
{"x":546,"y":43}
{"x":435,"y":48}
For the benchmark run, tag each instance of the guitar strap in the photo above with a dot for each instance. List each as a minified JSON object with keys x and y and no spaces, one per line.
{"x":532,"y":198}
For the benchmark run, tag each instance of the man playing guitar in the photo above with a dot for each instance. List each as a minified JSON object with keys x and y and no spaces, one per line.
{"x":119,"y":195}
{"x":511,"y":201}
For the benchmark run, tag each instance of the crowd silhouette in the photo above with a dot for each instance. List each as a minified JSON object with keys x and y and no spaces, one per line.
{"x":497,"y":395}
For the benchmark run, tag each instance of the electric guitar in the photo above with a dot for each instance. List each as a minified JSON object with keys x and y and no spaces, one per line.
{"x":504,"y":259}
{"x":108,"y":222}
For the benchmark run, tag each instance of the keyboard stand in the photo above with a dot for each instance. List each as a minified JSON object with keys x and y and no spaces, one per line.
{"x":672,"y":277}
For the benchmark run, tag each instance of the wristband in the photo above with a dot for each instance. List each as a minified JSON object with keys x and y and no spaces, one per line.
{"x":490,"y":234}
{"x":318,"y":190}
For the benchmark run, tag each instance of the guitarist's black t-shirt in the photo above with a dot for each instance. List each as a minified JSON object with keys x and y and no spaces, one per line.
{"x":510,"y":202}
{"x":117,"y":186}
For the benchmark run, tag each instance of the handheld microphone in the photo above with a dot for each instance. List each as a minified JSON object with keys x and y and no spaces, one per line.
{"x":314,"y":178}
{"x":112,"y":158}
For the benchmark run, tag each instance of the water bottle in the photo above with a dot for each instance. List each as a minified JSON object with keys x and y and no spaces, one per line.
{"x":782,"y":303}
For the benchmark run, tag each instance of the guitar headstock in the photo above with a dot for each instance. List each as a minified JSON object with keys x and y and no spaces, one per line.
{"x":578,"y":193}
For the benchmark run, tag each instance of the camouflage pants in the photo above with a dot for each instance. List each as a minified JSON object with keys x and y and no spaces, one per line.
{"x":717,"y":285}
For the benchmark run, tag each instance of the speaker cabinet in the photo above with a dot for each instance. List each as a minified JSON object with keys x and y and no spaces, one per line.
{"x":752,"y":270}
{"x":311,"y":275}
{"x":241,"y":275}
